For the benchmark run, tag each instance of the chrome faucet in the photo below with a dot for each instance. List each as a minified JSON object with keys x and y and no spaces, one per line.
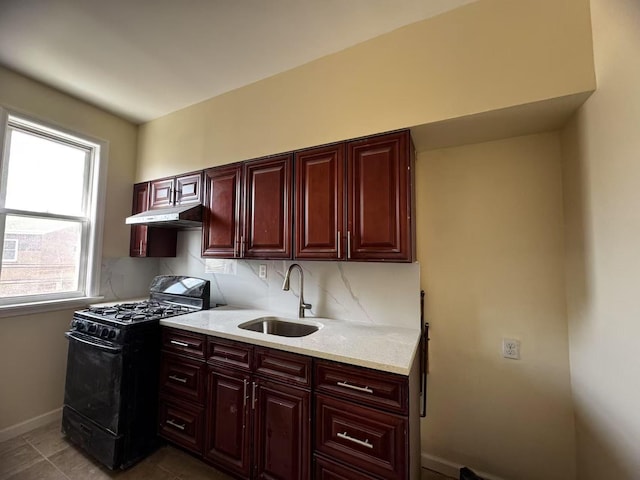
{"x":285,"y":286}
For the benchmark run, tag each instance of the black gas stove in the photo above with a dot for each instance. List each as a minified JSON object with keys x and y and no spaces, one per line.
{"x":110,"y":402}
{"x":169,"y":295}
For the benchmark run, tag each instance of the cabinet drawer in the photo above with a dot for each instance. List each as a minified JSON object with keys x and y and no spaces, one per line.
{"x":183,"y":342}
{"x":363,"y":437}
{"x":326,"y":469}
{"x":369,"y":387}
{"x":229,"y":353}
{"x":284,"y":366}
{"x":182,"y":423}
{"x":182,"y":377}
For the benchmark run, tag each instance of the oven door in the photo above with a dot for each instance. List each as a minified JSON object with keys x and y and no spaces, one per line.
{"x":94,"y":379}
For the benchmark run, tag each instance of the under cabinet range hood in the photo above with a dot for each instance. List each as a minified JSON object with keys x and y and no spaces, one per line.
{"x":184,"y":216}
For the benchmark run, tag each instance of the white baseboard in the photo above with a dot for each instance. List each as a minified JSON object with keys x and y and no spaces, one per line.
{"x":28,"y":425}
{"x":450,"y":469}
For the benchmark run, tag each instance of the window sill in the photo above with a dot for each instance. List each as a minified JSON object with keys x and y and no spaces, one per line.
{"x":48,"y":306}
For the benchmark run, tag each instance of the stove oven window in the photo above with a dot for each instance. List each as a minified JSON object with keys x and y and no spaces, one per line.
{"x":48,"y":216}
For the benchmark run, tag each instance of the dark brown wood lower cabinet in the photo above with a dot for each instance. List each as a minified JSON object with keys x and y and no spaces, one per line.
{"x":258,"y":420}
{"x":281,"y":432}
{"x":228,"y":420}
{"x":367,"y":438}
{"x":248,"y":411}
{"x":325,"y":469}
{"x":182,"y":423}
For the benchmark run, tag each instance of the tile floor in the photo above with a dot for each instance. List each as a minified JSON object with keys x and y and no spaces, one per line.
{"x":44,"y":454}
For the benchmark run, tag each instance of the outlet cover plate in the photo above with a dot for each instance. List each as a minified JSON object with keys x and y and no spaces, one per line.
{"x":511,"y":348}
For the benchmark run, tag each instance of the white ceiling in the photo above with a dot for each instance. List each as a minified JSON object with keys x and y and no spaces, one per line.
{"x":143,"y":59}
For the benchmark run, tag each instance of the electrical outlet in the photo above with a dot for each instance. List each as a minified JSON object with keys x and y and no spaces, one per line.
{"x":511,"y":348}
{"x":262,"y":271}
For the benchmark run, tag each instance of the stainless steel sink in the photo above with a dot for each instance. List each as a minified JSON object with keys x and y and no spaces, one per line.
{"x":279,"y":326}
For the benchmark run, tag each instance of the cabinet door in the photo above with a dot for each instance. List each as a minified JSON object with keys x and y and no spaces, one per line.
{"x":149,"y":241}
{"x":379,"y":226}
{"x":220,"y":223}
{"x":267,"y":217}
{"x":319,"y":203}
{"x":161,"y":193}
{"x":227,"y":432}
{"x":188,"y":189}
{"x":138,"y":242}
{"x":282,"y":433}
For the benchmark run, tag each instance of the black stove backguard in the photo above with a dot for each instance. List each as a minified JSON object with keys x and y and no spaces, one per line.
{"x":111,"y":389}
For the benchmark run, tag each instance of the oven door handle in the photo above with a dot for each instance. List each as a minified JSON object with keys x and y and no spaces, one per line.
{"x":87,"y":341}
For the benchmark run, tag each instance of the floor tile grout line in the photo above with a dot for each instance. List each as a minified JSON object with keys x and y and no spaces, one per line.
{"x":19,"y":469}
{"x":45,"y":458}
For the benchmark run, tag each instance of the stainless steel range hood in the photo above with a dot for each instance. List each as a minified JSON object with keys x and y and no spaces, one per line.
{"x":174,"y":217}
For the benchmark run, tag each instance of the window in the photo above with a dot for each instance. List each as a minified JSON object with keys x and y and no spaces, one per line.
{"x":49,"y":185}
{"x":10,"y":250}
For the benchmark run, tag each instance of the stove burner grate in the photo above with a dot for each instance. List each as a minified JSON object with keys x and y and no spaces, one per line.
{"x":136,"y":311}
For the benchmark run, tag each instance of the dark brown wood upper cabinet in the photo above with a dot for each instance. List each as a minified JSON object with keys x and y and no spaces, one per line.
{"x":368,"y":217}
{"x":149,"y":241}
{"x":172,"y":191}
{"x":221,"y":216}
{"x":268,"y":205}
{"x":248,"y":209}
{"x":379,"y":192}
{"x":319,"y":203}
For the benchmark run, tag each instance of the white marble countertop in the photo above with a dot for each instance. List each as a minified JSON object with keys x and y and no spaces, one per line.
{"x":387,"y":348}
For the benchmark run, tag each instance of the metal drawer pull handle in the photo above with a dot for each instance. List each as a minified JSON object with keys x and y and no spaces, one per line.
{"x":355,"y":440}
{"x":355,"y":387}
{"x":180,"y":344}
{"x":176,"y":425}
{"x":178,"y":379}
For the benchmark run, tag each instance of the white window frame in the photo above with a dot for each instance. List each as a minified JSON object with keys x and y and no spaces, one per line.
{"x":92,"y":228}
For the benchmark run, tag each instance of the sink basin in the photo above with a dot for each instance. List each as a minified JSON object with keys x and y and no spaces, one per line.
{"x":279,"y":326}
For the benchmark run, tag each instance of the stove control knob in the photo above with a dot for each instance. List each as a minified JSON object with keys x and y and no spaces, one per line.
{"x":112,"y":334}
{"x":104,"y":332}
{"x":79,"y":325}
{"x":93,"y":328}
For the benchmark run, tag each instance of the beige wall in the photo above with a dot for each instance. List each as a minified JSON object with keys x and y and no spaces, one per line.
{"x":484,"y":56}
{"x":32,"y":347}
{"x":490,"y":245}
{"x":601,"y":146}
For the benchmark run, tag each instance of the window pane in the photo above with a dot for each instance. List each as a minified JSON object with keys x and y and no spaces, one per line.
{"x":10,"y":250}
{"x":45,"y":176}
{"x":47,"y":257}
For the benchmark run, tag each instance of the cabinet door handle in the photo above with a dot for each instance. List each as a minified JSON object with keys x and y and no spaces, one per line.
{"x":348,"y":244}
{"x":178,"y":379}
{"x":253,"y":396}
{"x":177,"y":425}
{"x":244,"y":395}
{"x":242,"y":246}
{"x":355,"y":387}
{"x":339,"y":242}
{"x":364,"y":443}
{"x":180,"y":344}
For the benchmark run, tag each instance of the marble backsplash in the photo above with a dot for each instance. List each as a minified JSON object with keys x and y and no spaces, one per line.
{"x":376,"y":293}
